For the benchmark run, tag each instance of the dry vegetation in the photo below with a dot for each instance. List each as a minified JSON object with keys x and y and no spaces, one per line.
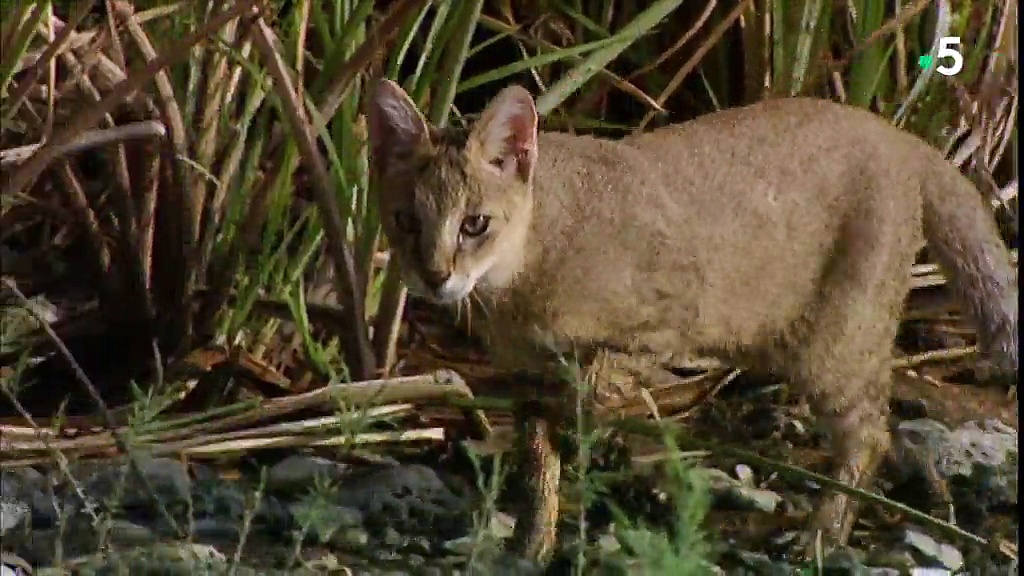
{"x":177,"y":177}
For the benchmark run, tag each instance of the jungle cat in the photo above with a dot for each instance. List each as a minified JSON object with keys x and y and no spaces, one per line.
{"x":777,"y":237}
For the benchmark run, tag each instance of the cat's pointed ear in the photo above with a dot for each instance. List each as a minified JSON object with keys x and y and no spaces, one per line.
{"x":394,"y":125}
{"x":505,"y":136}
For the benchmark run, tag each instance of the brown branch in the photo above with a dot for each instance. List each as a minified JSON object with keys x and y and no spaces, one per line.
{"x":88,"y":140}
{"x":27,"y":173}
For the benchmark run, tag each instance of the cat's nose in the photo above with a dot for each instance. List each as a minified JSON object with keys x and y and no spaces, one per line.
{"x":434,"y":279}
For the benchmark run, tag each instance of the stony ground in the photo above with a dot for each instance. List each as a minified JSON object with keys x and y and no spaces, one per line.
{"x":425,"y":515}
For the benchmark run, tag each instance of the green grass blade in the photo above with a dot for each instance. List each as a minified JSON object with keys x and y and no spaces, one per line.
{"x":454,"y":59}
{"x":805,"y":41}
{"x":780,"y":56}
{"x":583,"y":20}
{"x":544,"y":59}
{"x":585,"y":70}
{"x":9,"y":66}
{"x":408,"y":35}
{"x":866,"y":65}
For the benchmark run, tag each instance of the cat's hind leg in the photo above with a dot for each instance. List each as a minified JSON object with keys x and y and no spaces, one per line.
{"x":842,"y":360}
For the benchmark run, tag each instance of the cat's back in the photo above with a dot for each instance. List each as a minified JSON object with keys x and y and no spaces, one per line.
{"x":674,"y":210}
{"x":778,"y":132}
{"x":781,"y":156}
{"x":580,"y":180}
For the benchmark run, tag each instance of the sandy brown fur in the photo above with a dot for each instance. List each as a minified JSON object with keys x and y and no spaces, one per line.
{"x":777,"y":237}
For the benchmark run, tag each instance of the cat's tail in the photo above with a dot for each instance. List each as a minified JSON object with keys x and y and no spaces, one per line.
{"x":962,"y":236}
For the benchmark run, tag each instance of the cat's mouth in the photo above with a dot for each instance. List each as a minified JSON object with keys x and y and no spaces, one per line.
{"x":452,"y":291}
{"x":455,"y":289}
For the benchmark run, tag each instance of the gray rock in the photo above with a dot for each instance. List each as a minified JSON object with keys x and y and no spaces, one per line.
{"x":124,"y":533}
{"x":412,"y":499}
{"x":462,"y":546}
{"x":299,"y":473}
{"x":21,"y":480}
{"x":501,"y":525}
{"x":419,"y":545}
{"x":979,"y":458}
{"x":392,"y":539}
{"x":745,"y":475}
{"x":78,"y":537}
{"x":28,"y":486}
{"x":415,"y":561}
{"x":12,"y":513}
{"x":991,"y":443}
{"x":729,"y":492}
{"x":212,"y":530}
{"x":167,"y":477}
{"x":273,"y":516}
{"x":761,"y":563}
{"x":219,"y":508}
{"x":160,"y":558}
{"x":845,"y":562}
{"x":608,"y":544}
{"x":933,"y":550}
{"x":13,"y":565}
{"x":794,"y":430}
{"x":351,"y":539}
{"x":921,"y":438}
{"x":383,"y":555}
{"x":219,"y":499}
{"x":505,"y":564}
{"x":321,"y":520}
{"x":901,"y":559}
{"x":797,"y":505}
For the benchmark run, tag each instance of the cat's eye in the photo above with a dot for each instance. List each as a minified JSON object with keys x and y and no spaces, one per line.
{"x":475,"y":225}
{"x":406,"y":222}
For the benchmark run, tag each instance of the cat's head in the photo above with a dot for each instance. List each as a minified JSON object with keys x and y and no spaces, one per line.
{"x":455,"y":204}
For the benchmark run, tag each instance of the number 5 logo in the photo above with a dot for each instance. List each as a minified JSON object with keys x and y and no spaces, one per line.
{"x":948,"y":49}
